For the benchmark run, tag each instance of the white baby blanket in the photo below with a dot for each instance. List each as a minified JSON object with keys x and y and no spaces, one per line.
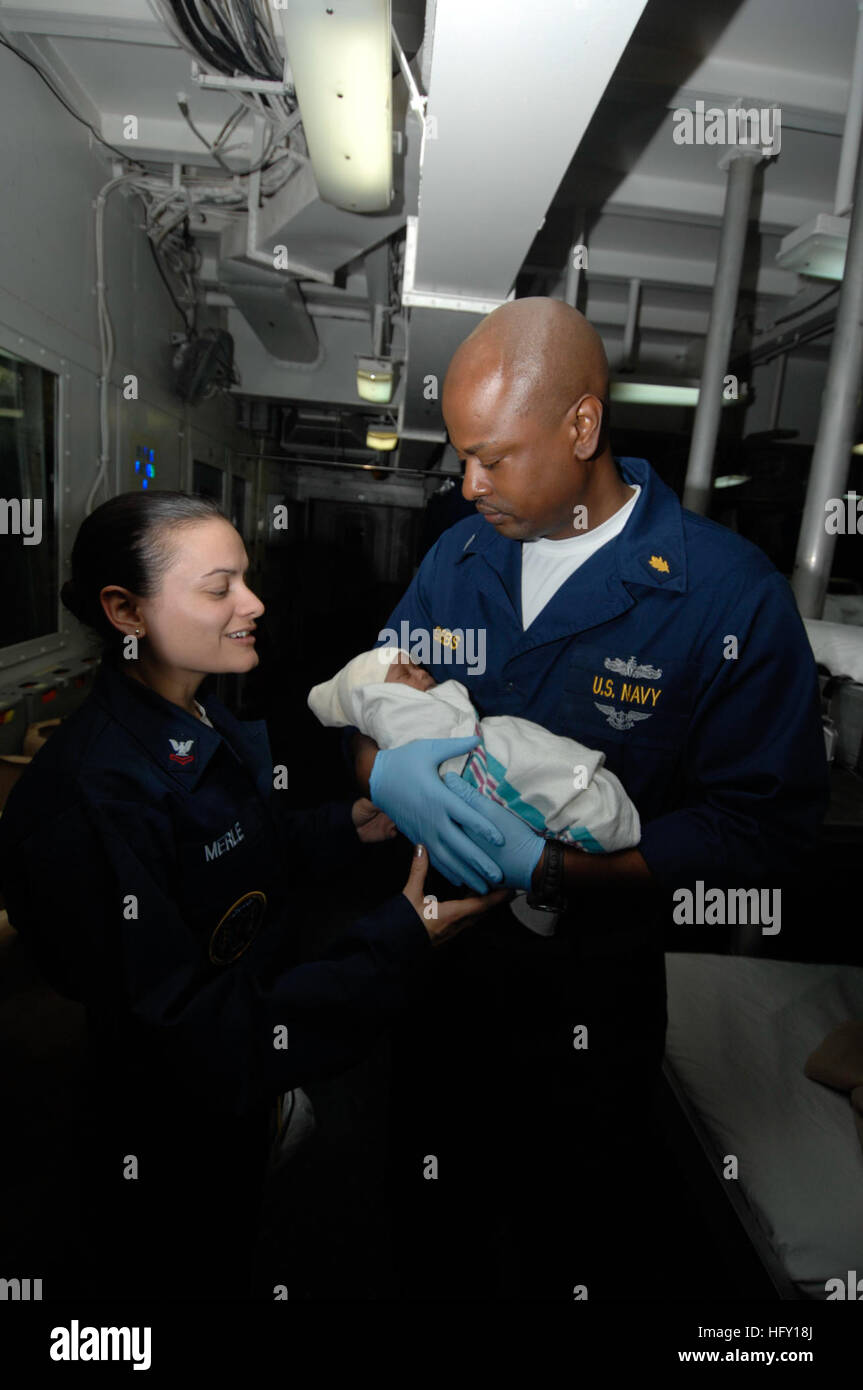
{"x":555,"y":784}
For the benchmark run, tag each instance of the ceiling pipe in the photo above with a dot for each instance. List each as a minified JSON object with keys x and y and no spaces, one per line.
{"x":740,"y":164}
{"x":223,"y":300}
{"x":339,"y":463}
{"x":630,"y":331}
{"x":831,"y":457}
{"x":778,"y":385}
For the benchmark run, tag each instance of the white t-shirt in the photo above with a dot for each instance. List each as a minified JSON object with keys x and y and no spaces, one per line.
{"x":546,"y":564}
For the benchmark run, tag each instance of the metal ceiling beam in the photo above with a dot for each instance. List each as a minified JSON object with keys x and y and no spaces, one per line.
{"x":483,"y":198}
{"x":92,"y":20}
{"x":814,"y":120}
{"x":683,"y":200}
{"x":728,"y":78}
{"x":526,"y":106}
{"x":673,"y":270}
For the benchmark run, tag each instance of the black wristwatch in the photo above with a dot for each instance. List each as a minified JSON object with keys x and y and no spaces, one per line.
{"x":550,"y":896}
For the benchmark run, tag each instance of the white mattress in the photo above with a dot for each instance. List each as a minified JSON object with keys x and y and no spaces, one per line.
{"x":739,"y":1032}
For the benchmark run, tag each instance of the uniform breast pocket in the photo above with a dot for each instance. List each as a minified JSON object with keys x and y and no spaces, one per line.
{"x":226,"y":868}
{"x":628,"y":703}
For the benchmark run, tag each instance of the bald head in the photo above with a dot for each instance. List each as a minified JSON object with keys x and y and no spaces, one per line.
{"x":525,"y":404}
{"x":541,"y":353}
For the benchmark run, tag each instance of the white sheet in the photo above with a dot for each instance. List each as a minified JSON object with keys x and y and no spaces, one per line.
{"x":739,"y":1032}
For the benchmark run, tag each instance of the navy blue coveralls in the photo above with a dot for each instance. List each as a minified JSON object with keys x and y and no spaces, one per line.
{"x":147,"y":860}
{"x":677,"y":650}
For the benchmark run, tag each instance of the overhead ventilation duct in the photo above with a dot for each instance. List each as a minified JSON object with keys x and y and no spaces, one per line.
{"x":274,"y":308}
{"x":329,"y":67}
{"x":318,"y":238}
{"x":341,"y":59}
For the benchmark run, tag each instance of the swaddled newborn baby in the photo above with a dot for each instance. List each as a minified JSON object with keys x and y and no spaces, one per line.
{"x":557,"y":786}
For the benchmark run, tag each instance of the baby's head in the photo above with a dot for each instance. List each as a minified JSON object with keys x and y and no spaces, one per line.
{"x":407,"y":672}
{"x":332,"y":701}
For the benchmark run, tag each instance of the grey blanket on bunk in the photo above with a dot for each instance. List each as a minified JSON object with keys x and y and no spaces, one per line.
{"x":838,"y":1062}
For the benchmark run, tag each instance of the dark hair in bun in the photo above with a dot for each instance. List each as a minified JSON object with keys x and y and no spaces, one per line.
{"x":126,"y":542}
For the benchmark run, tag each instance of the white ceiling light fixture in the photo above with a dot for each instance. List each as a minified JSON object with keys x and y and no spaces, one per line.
{"x":817,"y":248}
{"x":375,"y":379}
{"x":381,"y":439}
{"x":341,"y":59}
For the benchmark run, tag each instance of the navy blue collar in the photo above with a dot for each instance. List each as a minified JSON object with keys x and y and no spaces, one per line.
{"x":649,"y":550}
{"x":180,"y":743}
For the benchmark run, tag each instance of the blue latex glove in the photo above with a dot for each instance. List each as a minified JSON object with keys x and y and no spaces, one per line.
{"x":522,"y":848}
{"x":405,"y":784}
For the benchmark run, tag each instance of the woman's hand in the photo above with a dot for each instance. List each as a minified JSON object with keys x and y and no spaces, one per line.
{"x":444,"y":920}
{"x":372,"y":825}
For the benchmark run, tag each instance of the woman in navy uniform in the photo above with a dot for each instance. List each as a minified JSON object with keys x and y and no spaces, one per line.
{"x":147,"y":860}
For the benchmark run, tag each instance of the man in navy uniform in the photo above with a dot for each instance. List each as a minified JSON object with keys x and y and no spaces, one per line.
{"x":614,"y":617}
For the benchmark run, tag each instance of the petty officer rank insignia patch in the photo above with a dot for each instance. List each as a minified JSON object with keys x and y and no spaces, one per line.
{"x":181,"y":752}
{"x":238,"y":928}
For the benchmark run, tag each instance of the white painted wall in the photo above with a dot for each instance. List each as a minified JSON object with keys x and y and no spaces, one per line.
{"x":51,"y":170}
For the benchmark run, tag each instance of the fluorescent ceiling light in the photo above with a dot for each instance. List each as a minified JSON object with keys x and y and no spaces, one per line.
{"x":817,"y":248}
{"x":341,"y":60}
{"x":653,"y":393}
{"x":732,"y":480}
{"x":375,"y":379}
{"x":666,"y":391}
{"x":381,"y":439}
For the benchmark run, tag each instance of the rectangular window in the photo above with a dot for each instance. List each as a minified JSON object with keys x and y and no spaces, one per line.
{"x":28,"y":541}
{"x":238,"y":503}
{"x":208,"y":481}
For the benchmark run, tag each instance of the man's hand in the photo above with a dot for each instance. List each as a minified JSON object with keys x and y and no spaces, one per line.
{"x":521,"y":856}
{"x":521,"y":849}
{"x":405,"y":784}
{"x":372,"y":825}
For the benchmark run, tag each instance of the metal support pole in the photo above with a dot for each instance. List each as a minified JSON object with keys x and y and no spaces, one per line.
{"x":851,"y":131}
{"x":831,"y":458}
{"x":729,"y":262}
